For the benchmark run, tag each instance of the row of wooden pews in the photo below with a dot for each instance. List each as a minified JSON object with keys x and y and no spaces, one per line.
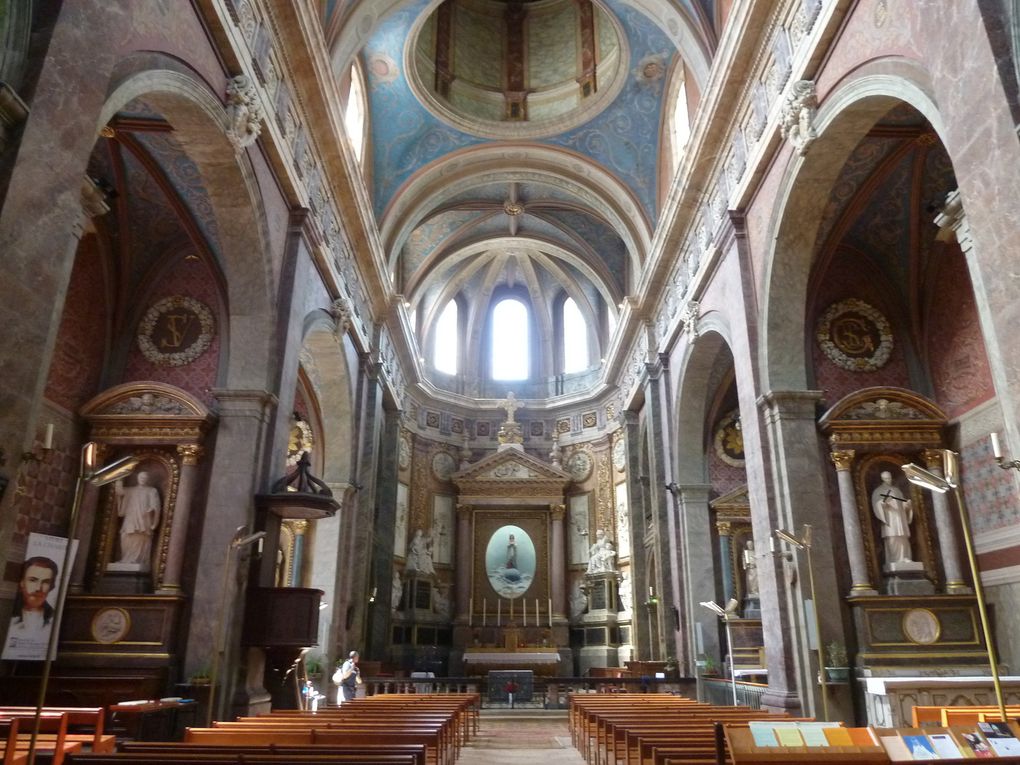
{"x":62,"y":731}
{"x":650,"y":729}
{"x":397,"y":729}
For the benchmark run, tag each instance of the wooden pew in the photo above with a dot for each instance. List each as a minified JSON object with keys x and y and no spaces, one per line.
{"x":91,"y":718}
{"x":156,"y":750}
{"x":16,"y":733}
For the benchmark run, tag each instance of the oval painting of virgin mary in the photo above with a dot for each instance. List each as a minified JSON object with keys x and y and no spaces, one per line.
{"x":510,"y":561}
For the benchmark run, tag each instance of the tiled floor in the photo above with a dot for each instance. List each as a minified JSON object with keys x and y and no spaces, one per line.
{"x":521,"y":736}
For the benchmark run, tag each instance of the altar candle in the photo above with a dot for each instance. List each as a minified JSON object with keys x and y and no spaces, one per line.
{"x":536,"y":612}
{"x":651,"y":592}
{"x":511,"y":608}
{"x":996,"y":449}
{"x":48,"y":438}
{"x":524,"y":612}
{"x":499,"y":606}
{"x":483,"y":612}
{"x":471,"y":611}
{"x":550,"y":612}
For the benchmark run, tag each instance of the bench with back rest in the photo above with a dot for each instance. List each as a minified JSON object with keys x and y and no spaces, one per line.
{"x":85,"y":725}
{"x":944,"y":716}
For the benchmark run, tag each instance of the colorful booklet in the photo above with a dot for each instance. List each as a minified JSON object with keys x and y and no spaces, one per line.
{"x":789,"y":737}
{"x":1000,"y":738}
{"x":972,"y":743}
{"x":896,"y":749}
{"x":838,"y":737}
{"x":920,"y":748}
{"x":763,"y":734}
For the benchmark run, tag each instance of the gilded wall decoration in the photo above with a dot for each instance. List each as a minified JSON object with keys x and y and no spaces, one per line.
{"x":855,"y":336}
{"x":175,"y":331}
{"x":729,"y":439}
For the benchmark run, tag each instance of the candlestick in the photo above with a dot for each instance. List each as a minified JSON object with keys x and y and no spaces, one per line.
{"x":537,"y":622}
{"x":996,"y":449}
{"x":48,"y":438}
{"x":483,"y":612}
{"x":550,"y":612}
{"x":511,"y":608}
{"x":499,"y":607}
{"x":471,"y":611}
{"x":524,"y":614}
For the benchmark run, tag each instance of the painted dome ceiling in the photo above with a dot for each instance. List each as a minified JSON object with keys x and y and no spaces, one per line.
{"x":515,"y":144}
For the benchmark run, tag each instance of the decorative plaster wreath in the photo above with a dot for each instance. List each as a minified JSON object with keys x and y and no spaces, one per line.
{"x":839,"y":314}
{"x":193,"y":351}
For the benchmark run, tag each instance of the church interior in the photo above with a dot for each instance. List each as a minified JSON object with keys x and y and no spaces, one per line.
{"x":588,"y":339}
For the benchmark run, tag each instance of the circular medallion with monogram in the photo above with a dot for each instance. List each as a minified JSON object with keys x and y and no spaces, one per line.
{"x":579,"y":465}
{"x":855,"y":336}
{"x":443,"y":465}
{"x":729,"y":440}
{"x":110,"y":625}
{"x":175,"y":331}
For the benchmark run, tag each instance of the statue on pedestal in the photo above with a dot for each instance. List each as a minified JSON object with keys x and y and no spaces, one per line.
{"x":419,"y":556}
{"x":896,"y":513}
{"x":601,"y":555}
{"x":139,"y":506}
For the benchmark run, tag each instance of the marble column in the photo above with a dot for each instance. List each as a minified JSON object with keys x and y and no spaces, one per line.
{"x":725,"y":561}
{"x":465,"y":555}
{"x":695,"y":536}
{"x":170,"y":583}
{"x":557,"y":562}
{"x":949,"y":546}
{"x":843,"y":460}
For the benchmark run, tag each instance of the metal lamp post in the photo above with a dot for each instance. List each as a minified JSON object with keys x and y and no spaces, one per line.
{"x":726,"y":614}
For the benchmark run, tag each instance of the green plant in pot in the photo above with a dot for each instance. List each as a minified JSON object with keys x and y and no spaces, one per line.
{"x":709,"y":667}
{"x":313,"y":666}
{"x":837,"y":667}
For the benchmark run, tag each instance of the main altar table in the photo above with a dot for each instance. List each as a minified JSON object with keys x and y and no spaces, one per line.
{"x":478,"y":662}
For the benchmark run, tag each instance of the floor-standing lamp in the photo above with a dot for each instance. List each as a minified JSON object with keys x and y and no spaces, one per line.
{"x":727,"y":614}
{"x":925,"y":478}
{"x":238,"y":541}
{"x":804,"y":543}
{"x":87,"y":474}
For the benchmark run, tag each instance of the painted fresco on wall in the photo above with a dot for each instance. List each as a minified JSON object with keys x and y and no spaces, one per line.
{"x":442,"y":529}
{"x":579,"y":529}
{"x":400,"y":527}
{"x":510,"y":561}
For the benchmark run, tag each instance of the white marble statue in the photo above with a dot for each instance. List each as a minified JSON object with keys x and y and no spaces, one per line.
{"x":896,"y":513}
{"x":578,"y":600}
{"x":139,"y":506}
{"x":419,"y":556}
{"x":396,"y":592}
{"x":601,"y":556}
{"x":750,"y":564}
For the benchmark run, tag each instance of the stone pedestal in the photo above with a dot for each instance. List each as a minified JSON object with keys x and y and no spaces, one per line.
{"x":907,"y":578}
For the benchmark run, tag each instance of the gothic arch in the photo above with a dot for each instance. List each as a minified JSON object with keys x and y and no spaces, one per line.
{"x":844,"y":118}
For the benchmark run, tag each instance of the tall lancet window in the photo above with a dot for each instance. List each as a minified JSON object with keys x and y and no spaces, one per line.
{"x":354,"y":114}
{"x":510,"y":340}
{"x":575,"y":338}
{"x":444,"y":356}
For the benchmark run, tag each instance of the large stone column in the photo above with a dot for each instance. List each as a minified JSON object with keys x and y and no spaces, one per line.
{"x":171,"y":581}
{"x":557,"y":561}
{"x":797,"y":495}
{"x":844,"y":460}
{"x":464,"y":557}
{"x":695,"y":534}
{"x":949,"y":546}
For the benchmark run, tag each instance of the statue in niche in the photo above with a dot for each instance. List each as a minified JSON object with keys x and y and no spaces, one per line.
{"x":419,"y":557}
{"x":396,"y":591}
{"x":626,"y":594}
{"x":601,"y":555}
{"x":896,"y":513}
{"x":139,"y":507}
{"x":750,"y":564}
{"x":440,"y":602}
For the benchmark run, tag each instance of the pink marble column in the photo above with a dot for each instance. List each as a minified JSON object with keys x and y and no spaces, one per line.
{"x":843,"y":460}
{"x":170,"y":582}
{"x":949,"y":546}
{"x":464,"y":566}
{"x":557,"y":562}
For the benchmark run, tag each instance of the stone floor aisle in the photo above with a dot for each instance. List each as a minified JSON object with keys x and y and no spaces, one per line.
{"x":521,"y":737}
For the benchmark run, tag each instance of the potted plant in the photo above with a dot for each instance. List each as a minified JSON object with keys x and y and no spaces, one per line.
{"x":708,"y":667}
{"x":672,"y":668}
{"x":199,"y":677}
{"x":837,"y":669}
{"x":313,"y":667}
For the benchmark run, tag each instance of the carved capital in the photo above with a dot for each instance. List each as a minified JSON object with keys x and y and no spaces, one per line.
{"x":190,"y":453}
{"x":842,"y":459}
{"x":342,"y":314}
{"x":952,"y":222}
{"x":797,"y":123}
{"x":724,"y":528}
{"x":244,"y":112}
{"x":557,"y":512}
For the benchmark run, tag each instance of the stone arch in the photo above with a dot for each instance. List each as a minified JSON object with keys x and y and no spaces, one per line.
{"x":200,"y":124}
{"x":843,"y":119}
{"x":324,"y":362}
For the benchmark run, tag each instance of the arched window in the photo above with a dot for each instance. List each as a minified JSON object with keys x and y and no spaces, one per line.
{"x":510,"y":340}
{"x":354,"y":114}
{"x":444,"y":356}
{"x":575,"y":338}
{"x":681,"y":122}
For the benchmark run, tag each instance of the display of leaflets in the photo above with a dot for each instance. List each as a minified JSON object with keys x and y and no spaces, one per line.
{"x":814,"y":732}
{"x":763,"y":734}
{"x":972,"y":743}
{"x":838,"y":737}
{"x":920,"y":748}
{"x":896,"y":749}
{"x":1001,"y":738}
{"x":944,"y":746}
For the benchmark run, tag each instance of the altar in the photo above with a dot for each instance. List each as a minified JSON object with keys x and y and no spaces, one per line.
{"x":544,"y":662}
